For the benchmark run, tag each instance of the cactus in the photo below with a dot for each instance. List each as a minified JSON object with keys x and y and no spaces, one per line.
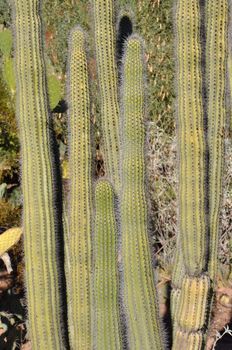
{"x":79,"y":218}
{"x":107,"y":76}
{"x":106,"y":285}
{"x":216,"y":56}
{"x":9,"y":238}
{"x":196,"y":285}
{"x":144,"y":328}
{"x":40,"y":216}
{"x":192,"y":176}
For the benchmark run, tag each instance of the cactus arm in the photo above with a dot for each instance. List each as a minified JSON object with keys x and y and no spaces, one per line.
{"x":105,"y":286}
{"x":107,"y":77}
{"x":9,"y":238}
{"x":144,"y":328}
{"x":216,"y":59}
{"x":80,"y":194}
{"x":41,"y":230}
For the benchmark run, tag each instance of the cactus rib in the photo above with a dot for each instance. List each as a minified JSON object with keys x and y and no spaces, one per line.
{"x":144,"y":328}
{"x":80,"y":194}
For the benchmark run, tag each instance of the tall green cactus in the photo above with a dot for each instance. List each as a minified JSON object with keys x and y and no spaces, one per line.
{"x":190,"y":318}
{"x":40,"y":217}
{"x":141,"y":308}
{"x":79,"y":218}
{"x":107,"y":76}
{"x":106,"y":284}
{"x":216,"y":59}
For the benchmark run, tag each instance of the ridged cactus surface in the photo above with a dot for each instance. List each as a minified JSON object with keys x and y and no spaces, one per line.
{"x":9,"y":238}
{"x":140,"y":295}
{"x":216,"y":60}
{"x":106,"y":284}
{"x":79,"y":212}
{"x":107,"y":78}
{"x":192,"y":171}
{"x":40,"y":224}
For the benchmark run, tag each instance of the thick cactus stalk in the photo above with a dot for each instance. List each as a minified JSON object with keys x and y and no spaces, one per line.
{"x":40,"y":226}
{"x":106,"y":285}
{"x":191,"y":313}
{"x":192,"y":173}
{"x":140,"y":295}
{"x":216,"y":60}
{"x":107,"y":76}
{"x":79,"y":218}
{"x":191,"y":309}
{"x":9,"y":238}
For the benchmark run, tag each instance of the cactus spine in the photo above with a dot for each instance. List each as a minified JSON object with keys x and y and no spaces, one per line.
{"x":216,"y":59}
{"x":105,"y":288}
{"x":107,"y":77}
{"x":80,"y":194}
{"x":144,"y":329}
{"x":41,"y":231}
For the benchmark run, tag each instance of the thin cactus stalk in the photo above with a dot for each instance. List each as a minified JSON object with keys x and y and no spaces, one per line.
{"x":216,"y":60}
{"x":107,"y":76}
{"x":40,"y":224}
{"x":80,"y":195}
{"x":106,"y":284}
{"x":139,"y":292}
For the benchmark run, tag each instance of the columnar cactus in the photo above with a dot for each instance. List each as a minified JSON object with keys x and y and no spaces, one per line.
{"x":216,"y":59}
{"x":79,"y":213}
{"x":40,"y":215}
{"x":199,"y":252}
{"x":192,"y":172}
{"x":106,"y":283}
{"x":140,"y":296}
{"x":107,"y":76}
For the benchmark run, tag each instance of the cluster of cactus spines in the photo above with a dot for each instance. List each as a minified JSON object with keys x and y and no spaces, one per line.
{"x":216,"y":60}
{"x":107,"y":77}
{"x":106,"y":283}
{"x":40,"y":217}
{"x":79,"y":213}
{"x":139,"y":292}
{"x":9,"y":238}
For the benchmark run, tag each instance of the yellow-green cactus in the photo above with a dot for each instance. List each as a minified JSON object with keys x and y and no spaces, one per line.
{"x":41,"y":224}
{"x":139,"y":292}
{"x":192,"y":150}
{"x":106,"y":284}
{"x":216,"y":60}
{"x":107,"y":76}
{"x":79,"y":213}
{"x":9,"y":238}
